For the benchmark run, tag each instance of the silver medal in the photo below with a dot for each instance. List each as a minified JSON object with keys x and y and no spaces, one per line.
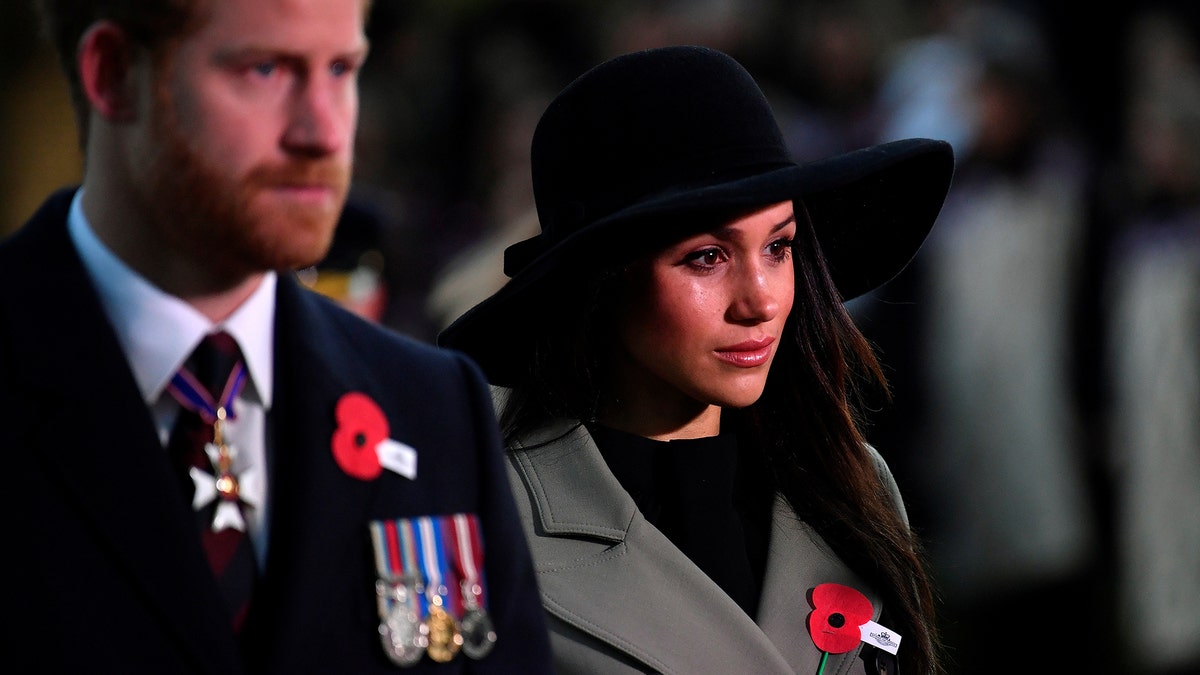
{"x":478,"y":633}
{"x":479,"y":636}
{"x":404,"y":635}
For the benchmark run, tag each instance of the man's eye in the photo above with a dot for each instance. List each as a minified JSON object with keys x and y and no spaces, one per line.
{"x":266,"y":68}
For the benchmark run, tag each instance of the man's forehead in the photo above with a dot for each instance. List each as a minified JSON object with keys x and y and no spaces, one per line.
{"x":300,"y":24}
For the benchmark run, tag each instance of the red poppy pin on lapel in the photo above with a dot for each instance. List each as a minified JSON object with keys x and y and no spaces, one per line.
{"x":361,"y":446}
{"x":841,"y":618}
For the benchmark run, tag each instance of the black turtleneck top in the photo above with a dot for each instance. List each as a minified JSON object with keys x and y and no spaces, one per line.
{"x":710,"y":500}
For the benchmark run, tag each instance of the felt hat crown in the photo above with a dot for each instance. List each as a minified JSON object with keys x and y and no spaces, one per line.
{"x":649,"y":141}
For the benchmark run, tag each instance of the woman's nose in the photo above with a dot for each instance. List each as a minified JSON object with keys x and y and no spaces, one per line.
{"x":757,"y":294}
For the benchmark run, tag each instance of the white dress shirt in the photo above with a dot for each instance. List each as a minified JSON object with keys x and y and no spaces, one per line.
{"x":158,"y":331}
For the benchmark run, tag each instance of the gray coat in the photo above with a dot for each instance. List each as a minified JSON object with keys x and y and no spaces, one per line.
{"x":621,"y":598}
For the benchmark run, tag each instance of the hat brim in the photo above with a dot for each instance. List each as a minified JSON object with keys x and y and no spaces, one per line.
{"x":871,"y":210}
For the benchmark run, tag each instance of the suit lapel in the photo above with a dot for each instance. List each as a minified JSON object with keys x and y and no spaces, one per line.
{"x":605,"y":570}
{"x":90,"y":427}
{"x":316,"y":510}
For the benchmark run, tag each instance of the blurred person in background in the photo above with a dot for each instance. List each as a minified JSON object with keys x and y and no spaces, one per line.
{"x":995,"y":433}
{"x":825,"y":69}
{"x":1152,"y":304}
{"x":515,"y":57}
{"x":352,"y":271}
{"x":457,"y":96}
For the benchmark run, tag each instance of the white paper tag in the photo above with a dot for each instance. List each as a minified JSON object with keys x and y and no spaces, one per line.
{"x":878,"y":636}
{"x":398,"y":457}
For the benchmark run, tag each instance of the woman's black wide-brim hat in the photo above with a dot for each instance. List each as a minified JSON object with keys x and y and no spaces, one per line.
{"x":668,"y":136}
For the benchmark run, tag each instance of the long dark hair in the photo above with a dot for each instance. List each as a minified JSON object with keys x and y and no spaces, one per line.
{"x":807,"y":426}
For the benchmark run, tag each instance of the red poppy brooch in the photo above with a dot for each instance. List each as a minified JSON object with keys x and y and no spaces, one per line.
{"x":361,"y":446}
{"x":841,"y":618}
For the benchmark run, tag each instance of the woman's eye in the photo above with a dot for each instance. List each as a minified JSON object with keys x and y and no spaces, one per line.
{"x":265,"y":69}
{"x":707,"y":257}
{"x":780,"y":248}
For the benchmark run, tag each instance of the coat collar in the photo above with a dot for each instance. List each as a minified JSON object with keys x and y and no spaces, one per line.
{"x":608,"y":572}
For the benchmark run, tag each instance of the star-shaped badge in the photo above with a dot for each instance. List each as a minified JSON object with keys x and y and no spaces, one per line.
{"x":229,"y":487}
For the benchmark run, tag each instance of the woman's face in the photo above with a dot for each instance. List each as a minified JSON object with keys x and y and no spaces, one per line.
{"x":700,"y":322}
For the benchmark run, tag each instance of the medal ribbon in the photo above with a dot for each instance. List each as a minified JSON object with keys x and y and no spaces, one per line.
{"x":394,"y":559}
{"x":195,"y":396}
{"x":434,"y":556}
{"x":389,"y":564}
{"x":470,"y":555}
{"x":408,"y":542}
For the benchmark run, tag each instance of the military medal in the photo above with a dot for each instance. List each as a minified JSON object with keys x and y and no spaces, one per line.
{"x":231,"y":489}
{"x":404,"y":635}
{"x":478,"y":633}
{"x":228,"y":487}
{"x":444,"y":637}
{"x":399,"y":591}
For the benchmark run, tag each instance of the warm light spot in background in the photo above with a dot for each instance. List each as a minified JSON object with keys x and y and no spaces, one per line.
{"x":39,"y":140}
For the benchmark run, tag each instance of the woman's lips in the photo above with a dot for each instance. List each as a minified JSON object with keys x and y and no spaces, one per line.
{"x":748,"y":354}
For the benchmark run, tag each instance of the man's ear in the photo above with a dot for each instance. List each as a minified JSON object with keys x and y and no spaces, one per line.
{"x":106,"y":71}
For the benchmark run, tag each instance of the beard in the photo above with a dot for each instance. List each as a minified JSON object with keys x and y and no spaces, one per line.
{"x":205,"y":213}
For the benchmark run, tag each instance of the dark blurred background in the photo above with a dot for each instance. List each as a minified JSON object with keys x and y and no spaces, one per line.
{"x":1044,"y":346}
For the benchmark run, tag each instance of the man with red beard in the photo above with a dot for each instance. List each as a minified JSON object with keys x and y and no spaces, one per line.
{"x":338,"y":502}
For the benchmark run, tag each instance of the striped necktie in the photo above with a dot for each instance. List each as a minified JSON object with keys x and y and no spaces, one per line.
{"x":207,"y":465}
